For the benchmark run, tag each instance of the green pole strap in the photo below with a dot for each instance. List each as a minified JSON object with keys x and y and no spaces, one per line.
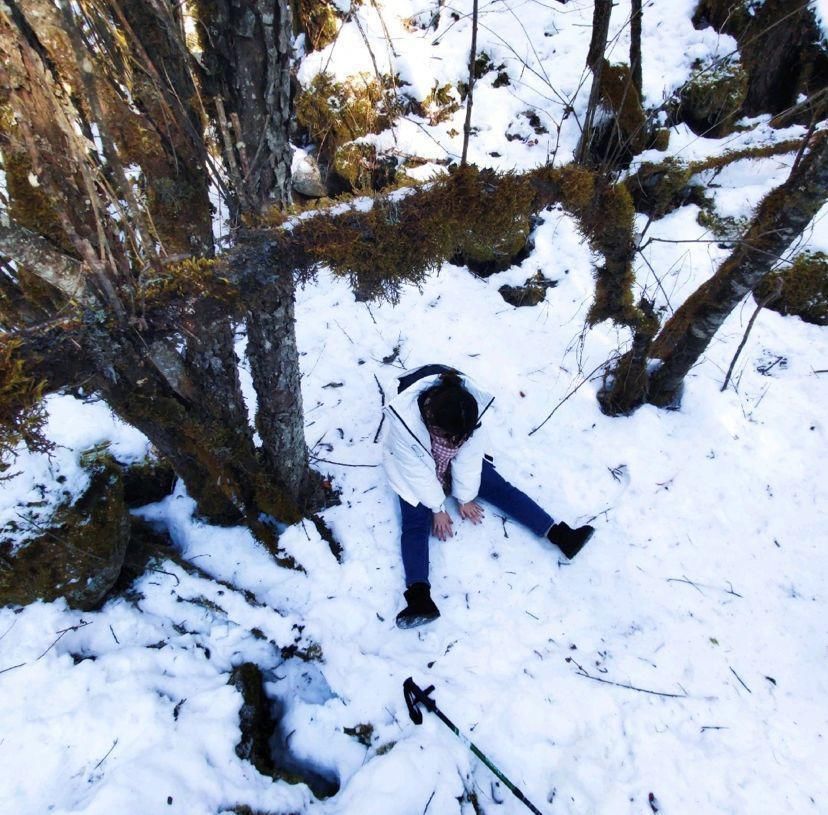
{"x":415,"y":696}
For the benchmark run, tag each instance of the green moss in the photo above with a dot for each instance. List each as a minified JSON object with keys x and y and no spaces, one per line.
{"x":577,"y":188}
{"x":319,"y":20}
{"x":723,"y":227}
{"x":804,"y":288}
{"x":531,"y":293}
{"x":711,"y":100}
{"x":192,"y":277}
{"x":358,"y":164}
{"x":439,"y":105}
{"x":497,"y":223}
{"x":22,"y":414}
{"x":467,"y":212}
{"x":235,"y":478}
{"x":730,"y":156}
{"x":619,"y":94}
{"x":657,"y":189}
{"x":79,"y":556}
{"x":607,"y":221}
{"x":661,"y":139}
{"x":338,"y":112}
{"x":29,"y":205}
{"x":606,"y":216}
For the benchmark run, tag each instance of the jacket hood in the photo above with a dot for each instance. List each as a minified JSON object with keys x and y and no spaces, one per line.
{"x":403,"y":401}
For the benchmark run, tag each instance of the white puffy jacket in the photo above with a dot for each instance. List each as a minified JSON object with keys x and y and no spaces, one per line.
{"x":407,"y":457}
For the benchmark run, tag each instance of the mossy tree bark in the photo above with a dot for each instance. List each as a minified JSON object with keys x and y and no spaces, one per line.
{"x":274,"y":363}
{"x":176,"y":175}
{"x":779,"y":44}
{"x":185,"y":417}
{"x":635,"y":47}
{"x":595,"y":62}
{"x":94,"y":272}
{"x":780,"y":219}
{"x":248,"y":60}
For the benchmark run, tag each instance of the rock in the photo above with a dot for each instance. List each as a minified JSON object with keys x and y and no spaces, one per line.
{"x":658,"y":189}
{"x":307,"y":179}
{"x":80,"y":555}
{"x":148,"y":548}
{"x":362,"y":169}
{"x":255,"y":721}
{"x":711,"y":100}
{"x":531,"y":293}
{"x":147,"y":482}
{"x":263,"y":744}
{"x":801,"y":289}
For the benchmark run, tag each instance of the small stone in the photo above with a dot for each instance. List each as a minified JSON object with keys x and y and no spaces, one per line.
{"x":307,"y":179}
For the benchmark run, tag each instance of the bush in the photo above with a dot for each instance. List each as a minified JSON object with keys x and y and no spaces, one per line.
{"x":658,"y":189}
{"x":334,"y":112}
{"x":804,"y":288}
{"x":711,"y":100}
{"x":319,"y":20}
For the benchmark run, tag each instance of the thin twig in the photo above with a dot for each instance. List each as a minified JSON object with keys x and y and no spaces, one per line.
{"x":582,"y":672}
{"x":61,"y":634}
{"x":14,"y":623}
{"x":114,"y":743}
{"x":341,"y":463}
{"x":774,"y":295}
{"x":358,"y":22}
{"x":684,"y":580}
{"x":382,"y":401}
{"x":573,"y":392}
{"x":169,"y":574}
{"x":741,"y":682}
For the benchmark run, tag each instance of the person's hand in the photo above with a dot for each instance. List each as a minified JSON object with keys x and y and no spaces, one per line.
{"x":441,"y":525}
{"x":471,"y":512}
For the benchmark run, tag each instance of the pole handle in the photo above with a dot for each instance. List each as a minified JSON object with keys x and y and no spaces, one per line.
{"x":414,"y":696}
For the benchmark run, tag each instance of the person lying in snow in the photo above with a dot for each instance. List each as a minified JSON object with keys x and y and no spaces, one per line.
{"x":433,"y":449}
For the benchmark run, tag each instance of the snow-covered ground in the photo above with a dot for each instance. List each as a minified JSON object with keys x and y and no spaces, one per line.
{"x":679,"y":664}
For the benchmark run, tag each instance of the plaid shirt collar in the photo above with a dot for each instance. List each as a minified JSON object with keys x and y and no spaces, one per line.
{"x":443,"y":452}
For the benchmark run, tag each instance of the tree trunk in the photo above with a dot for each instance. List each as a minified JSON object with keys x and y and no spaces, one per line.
{"x":625,"y":387}
{"x":470,"y":94}
{"x":779,"y":45}
{"x":176,"y":174}
{"x":247,"y":57}
{"x":781,"y":218}
{"x":780,"y":48}
{"x":274,"y":364}
{"x":177,"y":190}
{"x":595,"y":61}
{"x":249,"y":63}
{"x":635,"y":47}
{"x":186,"y":418}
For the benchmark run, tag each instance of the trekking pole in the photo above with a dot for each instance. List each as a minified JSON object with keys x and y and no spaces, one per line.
{"x":414,"y":695}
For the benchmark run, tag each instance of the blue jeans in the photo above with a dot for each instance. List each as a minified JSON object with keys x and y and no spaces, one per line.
{"x":494,"y":489}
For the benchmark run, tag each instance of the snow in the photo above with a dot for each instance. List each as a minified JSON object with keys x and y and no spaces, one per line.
{"x":821,"y":10}
{"x":701,"y":596}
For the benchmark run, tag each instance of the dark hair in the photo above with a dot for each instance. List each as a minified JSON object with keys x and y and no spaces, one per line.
{"x":449,"y":408}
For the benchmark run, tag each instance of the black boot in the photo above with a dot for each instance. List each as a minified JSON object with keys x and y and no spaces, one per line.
{"x":570,"y":541}
{"x":420,"y":608}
